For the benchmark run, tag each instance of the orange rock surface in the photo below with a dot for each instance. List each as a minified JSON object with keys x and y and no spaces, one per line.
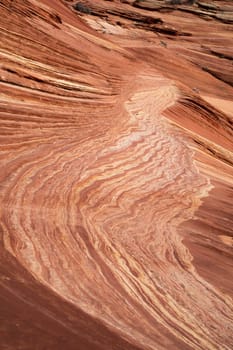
{"x":116,"y":175}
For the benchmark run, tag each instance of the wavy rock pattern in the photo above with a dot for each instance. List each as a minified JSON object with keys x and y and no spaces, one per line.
{"x":116,"y":179}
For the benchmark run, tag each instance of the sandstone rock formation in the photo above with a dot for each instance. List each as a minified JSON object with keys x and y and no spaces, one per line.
{"x":116,"y":175}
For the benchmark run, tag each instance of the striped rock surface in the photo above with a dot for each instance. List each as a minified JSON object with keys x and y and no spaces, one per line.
{"x":116,"y":177}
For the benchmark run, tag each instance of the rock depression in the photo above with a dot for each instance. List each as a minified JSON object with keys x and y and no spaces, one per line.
{"x":116,"y":175}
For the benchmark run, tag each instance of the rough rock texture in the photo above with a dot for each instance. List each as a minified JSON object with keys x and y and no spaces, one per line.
{"x":116,"y":175}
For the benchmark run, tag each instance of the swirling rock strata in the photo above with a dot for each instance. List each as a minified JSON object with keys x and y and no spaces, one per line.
{"x":116,"y":177}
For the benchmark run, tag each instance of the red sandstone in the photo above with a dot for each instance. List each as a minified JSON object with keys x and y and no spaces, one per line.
{"x":116,"y":175}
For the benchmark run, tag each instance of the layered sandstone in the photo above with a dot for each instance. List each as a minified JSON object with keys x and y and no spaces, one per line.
{"x":116,"y":175}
